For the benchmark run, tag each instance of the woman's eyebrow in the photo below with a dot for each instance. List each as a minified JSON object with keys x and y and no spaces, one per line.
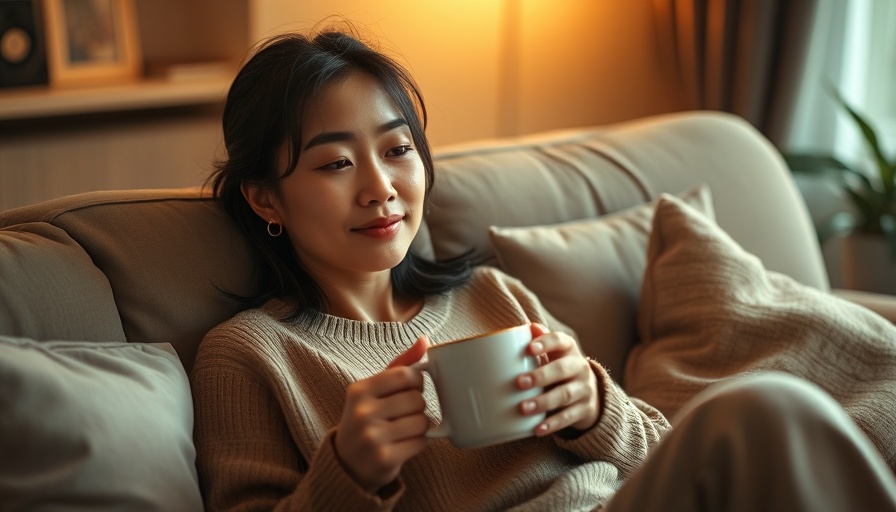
{"x":327,"y":137}
{"x":393,"y":124}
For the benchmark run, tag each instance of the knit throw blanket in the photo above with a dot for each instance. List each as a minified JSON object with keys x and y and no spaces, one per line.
{"x":709,"y":310}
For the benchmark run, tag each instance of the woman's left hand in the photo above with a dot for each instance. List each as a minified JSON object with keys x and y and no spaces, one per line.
{"x":570,"y":396}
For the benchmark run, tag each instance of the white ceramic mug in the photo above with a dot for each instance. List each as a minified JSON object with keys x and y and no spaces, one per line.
{"x":475,"y":380}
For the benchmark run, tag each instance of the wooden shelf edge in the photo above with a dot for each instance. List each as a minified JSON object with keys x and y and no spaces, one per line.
{"x":34,"y":103}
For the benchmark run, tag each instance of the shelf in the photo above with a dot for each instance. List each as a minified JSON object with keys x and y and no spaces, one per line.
{"x":44,"y":102}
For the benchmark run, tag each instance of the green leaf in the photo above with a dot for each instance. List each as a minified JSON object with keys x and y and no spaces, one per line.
{"x":813,"y":163}
{"x":866,"y":209}
{"x":863,"y":179}
{"x":873,"y":197}
{"x":891,"y":194}
{"x":819,"y":165}
{"x":884,"y":169}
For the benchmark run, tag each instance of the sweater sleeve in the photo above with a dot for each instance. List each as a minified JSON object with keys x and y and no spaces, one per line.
{"x":514,"y":290}
{"x":626,"y":430}
{"x":627,"y":427}
{"x":246,"y":457}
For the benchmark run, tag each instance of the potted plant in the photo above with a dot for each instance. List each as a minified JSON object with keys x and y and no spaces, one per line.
{"x":869,"y":230}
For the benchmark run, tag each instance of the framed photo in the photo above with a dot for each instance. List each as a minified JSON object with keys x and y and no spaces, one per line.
{"x":91,"y":42}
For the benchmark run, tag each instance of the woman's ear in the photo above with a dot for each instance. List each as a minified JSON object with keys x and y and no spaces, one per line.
{"x":263,"y":202}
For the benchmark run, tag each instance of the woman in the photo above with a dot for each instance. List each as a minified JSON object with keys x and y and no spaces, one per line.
{"x":306,"y":400}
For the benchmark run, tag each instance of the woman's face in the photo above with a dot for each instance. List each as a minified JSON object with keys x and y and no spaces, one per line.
{"x":354,"y":202}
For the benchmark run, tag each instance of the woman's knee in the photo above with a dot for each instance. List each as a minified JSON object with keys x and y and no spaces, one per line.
{"x":765,"y":401}
{"x":766,"y":441}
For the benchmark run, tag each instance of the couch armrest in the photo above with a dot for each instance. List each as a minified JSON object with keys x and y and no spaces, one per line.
{"x":884,"y":305}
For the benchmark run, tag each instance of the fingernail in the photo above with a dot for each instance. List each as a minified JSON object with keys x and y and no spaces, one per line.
{"x":537,"y":347}
{"x":526,"y":381}
{"x":541,"y":429}
{"x":528,"y":406}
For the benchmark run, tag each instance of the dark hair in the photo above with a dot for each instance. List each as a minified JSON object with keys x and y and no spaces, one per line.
{"x":264,"y":109}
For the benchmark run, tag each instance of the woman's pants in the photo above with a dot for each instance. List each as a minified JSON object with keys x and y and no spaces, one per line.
{"x":764,"y":442}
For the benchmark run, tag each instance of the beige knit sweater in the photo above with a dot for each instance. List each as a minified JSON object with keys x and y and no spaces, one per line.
{"x":268,"y":395}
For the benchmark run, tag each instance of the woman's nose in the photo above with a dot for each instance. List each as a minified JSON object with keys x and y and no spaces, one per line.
{"x":376,"y":185}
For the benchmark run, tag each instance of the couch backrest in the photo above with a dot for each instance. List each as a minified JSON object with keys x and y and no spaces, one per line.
{"x":573,"y":174}
{"x":150,"y":265}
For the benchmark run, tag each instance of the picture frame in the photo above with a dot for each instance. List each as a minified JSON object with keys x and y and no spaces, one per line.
{"x":91,"y":42}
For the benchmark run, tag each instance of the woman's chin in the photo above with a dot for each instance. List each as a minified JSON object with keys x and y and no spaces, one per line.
{"x":382,"y":262}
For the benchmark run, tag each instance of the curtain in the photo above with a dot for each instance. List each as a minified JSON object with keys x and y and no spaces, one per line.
{"x":740,"y":56}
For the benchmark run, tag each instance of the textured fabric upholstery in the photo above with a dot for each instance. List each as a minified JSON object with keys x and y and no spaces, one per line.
{"x":50,"y":288}
{"x":588,"y":273}
{"x":569,"y":175}
{"x":167,"y":255}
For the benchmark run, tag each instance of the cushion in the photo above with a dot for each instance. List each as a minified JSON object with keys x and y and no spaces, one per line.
{"x":588,"y":273}
{"x":51,"y":289}
{"x":97,"y":425}
{"x":710,"y":310}
{"x":169,"y":259}
{"x":545,"y":178}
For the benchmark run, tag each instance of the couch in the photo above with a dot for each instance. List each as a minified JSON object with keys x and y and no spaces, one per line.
{"x":104,"y":296}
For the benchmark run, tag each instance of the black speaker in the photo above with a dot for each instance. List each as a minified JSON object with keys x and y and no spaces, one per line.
{"x":23,"y":55}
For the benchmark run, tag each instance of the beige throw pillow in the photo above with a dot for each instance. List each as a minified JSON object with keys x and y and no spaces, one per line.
{"x":588,"y":273}
{"x":709,"y":310}
{"x":95,"y":426}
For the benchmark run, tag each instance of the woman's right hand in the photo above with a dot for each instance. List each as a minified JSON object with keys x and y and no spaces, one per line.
{"x":383,"y":424}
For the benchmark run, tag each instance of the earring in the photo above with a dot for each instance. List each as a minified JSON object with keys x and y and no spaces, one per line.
{"x":271,"y":229}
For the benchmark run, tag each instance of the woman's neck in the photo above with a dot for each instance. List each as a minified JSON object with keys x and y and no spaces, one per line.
{"x":369,"y":300}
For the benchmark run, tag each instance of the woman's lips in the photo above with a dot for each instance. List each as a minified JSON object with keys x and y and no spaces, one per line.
{"x":381,"y":228}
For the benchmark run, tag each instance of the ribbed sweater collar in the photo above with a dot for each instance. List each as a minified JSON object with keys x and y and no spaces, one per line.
{"x":430,"y":319}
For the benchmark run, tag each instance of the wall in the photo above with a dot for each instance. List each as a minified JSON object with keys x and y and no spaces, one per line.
{"x":451,"y":48}
{"x":44,"y":159}
{"x":487,"y":68}
{"x":504,"y":67}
